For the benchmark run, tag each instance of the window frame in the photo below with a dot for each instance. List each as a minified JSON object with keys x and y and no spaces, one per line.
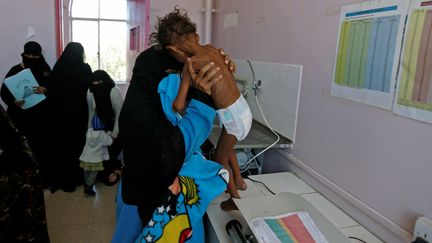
{"x":98,"y":20}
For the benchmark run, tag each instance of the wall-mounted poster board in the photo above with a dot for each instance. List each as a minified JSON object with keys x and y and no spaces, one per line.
{"x":368,"y":48}
{"x":414,"y":89}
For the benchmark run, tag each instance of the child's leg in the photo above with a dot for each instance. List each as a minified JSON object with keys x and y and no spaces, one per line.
{"x":238,"y":179}
{"x":89,"y":180}
{"x":90,"y":177}
{"x":223,"y":151}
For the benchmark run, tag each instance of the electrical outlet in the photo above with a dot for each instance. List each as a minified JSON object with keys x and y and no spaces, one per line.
{"x":423,"y":229}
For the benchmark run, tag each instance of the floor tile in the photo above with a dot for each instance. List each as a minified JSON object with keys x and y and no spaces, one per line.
{"x":75,"y":217}
{"x":70,"y":234}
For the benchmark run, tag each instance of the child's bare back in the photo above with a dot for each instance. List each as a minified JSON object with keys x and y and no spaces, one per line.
{"x":225,"y":92}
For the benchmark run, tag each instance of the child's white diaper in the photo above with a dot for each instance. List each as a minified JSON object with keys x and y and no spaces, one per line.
{"x":236,"y":118}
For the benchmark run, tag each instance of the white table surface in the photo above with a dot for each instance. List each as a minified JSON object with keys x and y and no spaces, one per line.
{"x":285,"y":182}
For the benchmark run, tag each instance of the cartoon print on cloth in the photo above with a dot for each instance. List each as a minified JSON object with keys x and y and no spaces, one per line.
{"x":172,"y":224}
{"x":175,"y":220}
{"x":179,"y":219}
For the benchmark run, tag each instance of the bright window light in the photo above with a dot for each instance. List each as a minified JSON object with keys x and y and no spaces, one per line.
{"x":100,"y":26}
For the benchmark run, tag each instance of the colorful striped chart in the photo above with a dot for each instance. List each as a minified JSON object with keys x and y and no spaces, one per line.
{"x":368,"y":49}
{"x":296,"y":227}
{"x":416,"y":66}
{"x":366,"y":53}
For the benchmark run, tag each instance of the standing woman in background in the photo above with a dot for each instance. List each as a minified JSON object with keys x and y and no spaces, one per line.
{"x":33,"y":122}
{"x":71,"y":79}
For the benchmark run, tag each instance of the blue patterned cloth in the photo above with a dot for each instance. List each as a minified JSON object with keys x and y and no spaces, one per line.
{"x":128,"y":223}
{"x":201,"y":180}
{"x":180,"y":218}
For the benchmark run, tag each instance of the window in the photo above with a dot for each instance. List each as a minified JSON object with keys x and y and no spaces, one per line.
{"x":100,"y":26}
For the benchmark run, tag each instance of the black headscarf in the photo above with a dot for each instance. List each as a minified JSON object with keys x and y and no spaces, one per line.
{"x":38,"y":66}
{"x":71,"y":77}
{"x":27,"y":119}
{"x":71,"y":80}
{"x":72,"y":54}
{"x":101,"y":93}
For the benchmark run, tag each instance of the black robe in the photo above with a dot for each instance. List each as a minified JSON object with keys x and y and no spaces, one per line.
{"x":22,"y":206}
{"x":153,"y":149}
{"x":148,"y":137}
{"x":34,"y":122}
{"x":71,"y":79}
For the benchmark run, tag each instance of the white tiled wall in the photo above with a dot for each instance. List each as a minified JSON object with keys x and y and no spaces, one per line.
{"x":278,"y":96}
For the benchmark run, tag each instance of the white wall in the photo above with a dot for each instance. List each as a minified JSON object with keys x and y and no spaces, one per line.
{"x":382,"y":159}
{"x":15,"y":18}
{"x":160,"y":8}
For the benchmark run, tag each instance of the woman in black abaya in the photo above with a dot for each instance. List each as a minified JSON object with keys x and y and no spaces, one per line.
{"x":71,"y":79}
{"x":33,"y":122}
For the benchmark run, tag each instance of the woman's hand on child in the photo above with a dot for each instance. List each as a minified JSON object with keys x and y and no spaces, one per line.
{"x":205,"y":78}
{"x":228,"y":60}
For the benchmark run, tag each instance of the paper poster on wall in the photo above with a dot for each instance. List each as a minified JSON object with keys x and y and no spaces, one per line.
{"x":414,"y":89}
{"x":368,"y":48}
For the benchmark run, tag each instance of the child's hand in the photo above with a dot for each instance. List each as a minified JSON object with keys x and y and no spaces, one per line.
{"x":175,"y":187}
{"x":186,"y":76}
{"x":114,"y":177}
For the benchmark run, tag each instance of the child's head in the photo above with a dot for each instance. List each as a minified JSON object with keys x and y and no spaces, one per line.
{"x":176,"y":33}
{"x":99,"y":77}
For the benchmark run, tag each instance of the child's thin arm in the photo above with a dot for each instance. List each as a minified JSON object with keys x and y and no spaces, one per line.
{"x":179,"y":103}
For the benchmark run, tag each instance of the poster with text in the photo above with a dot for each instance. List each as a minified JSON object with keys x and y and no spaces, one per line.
{"x":368,"y":49}
{"x":414,"y":89}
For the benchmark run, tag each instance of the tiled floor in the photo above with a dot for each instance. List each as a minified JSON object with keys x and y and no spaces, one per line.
{"x":76,"y":218}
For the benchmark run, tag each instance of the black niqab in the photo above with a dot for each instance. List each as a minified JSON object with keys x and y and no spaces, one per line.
{"x":101,"y":93}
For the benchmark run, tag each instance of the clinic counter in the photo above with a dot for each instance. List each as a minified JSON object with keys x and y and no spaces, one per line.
{"x":217,"y":219}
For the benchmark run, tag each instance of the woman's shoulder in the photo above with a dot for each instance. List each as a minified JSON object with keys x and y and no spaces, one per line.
{"x":14,"y":70}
